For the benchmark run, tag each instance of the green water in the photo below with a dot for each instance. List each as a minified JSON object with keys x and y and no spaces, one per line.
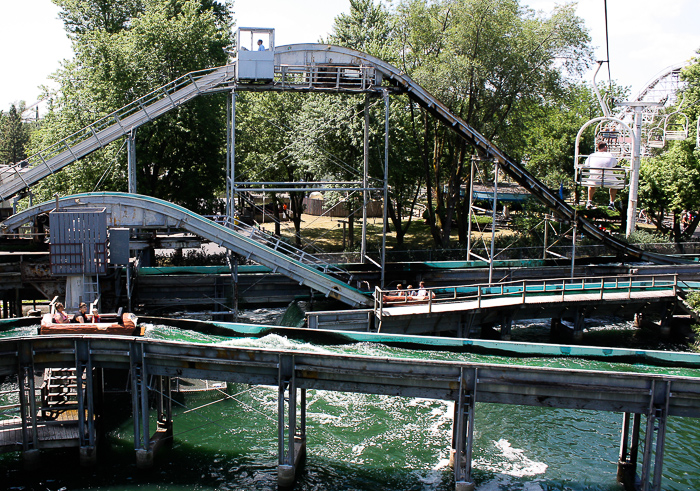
{"x":227,"y":440}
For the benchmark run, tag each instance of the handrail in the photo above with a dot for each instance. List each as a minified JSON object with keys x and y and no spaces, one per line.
{"x":524,"y":289}
{"x":78,"y":141}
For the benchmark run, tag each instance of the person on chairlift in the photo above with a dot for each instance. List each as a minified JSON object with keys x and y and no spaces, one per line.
{"x":602,"y":159}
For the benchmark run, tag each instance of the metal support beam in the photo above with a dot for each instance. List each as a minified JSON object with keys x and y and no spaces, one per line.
{"x":471,"y":207}
{"x":579,"y":323}
{"x":139,"y":404}
{"x":629,"y":451}
{"x":86,"y":403}
{"x":506,"y":325}
{"x":365,"y":172}
{"x":463,"y":433}
{"x":656,"y":426}
{"x":493,"y":219}
{"x":131,"y":160}
{"x":231,"y":158}
{"x":386,"y":182}
{"x":291,"y":439}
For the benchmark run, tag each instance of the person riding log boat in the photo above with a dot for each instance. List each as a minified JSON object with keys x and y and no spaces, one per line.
{"x":124,"y":325}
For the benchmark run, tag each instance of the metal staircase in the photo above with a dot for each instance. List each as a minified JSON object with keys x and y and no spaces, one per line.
{"x":59,"y":392}
{"x":18,"y":177}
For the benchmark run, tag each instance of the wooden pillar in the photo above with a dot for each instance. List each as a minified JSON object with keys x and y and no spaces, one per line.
{"x":463,"y":433}
{"x":291,"y":437}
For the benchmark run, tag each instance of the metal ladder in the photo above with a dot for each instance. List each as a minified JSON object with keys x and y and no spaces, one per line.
{"x":91,"y":289}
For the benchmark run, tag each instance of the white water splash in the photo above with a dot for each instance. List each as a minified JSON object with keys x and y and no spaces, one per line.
{"x":516,"y":464}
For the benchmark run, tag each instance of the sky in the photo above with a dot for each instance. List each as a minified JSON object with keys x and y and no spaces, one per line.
{"x":645,"y":36}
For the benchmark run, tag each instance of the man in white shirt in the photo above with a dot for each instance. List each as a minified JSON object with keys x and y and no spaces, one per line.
{"x":602,"y":159}
{"x":261,"y":46}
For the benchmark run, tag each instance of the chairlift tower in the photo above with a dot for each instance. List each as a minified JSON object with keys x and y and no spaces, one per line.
{"x":638,"y":107}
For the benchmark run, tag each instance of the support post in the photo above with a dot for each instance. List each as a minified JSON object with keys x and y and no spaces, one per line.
{"x":634,"y":179}
{"x":291,"y":443}
{"x":231,"y":160}
{"x":26,"y":390}
{"x":386,"y":183}
{"x":579,"y":322}
{"x":164,"y":421}
{"x":139,"y":404}
{"x":86,"y":403}
{"x":463,"y":434}
{"x":656,"y":424}
{"x":506,"y":326}
{"x":629,"y":450}
{"x":471,"y":208}
{"x":493,"y":219}
{"x":131,"y":160}
{"x":365,"y":172}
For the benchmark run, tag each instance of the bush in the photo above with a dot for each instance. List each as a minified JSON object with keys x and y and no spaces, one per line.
{"x":643,"y":237}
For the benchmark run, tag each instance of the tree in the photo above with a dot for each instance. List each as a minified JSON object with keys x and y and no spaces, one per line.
{"x":669,"y":182}
{"x":123,"y":52}
{"x":488,"y":61}
{"x":14,"y":135}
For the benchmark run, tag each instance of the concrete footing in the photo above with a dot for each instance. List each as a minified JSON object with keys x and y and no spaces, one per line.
{"x":464,"y":486}
{"x":285,"y":475}
{"x":88,"y":456}
{"x":627,"y":475}
{"x":31,"y":459}
{"x":144,"y":458}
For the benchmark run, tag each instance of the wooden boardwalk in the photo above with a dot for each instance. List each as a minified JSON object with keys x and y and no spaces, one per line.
{"x":50,"y":434}
{"x":517,"y":299}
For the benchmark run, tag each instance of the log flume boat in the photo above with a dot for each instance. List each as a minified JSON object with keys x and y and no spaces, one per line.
{"x":127,"y":327}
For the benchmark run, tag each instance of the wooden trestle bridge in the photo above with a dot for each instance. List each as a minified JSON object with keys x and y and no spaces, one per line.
{"x":151,"y":364}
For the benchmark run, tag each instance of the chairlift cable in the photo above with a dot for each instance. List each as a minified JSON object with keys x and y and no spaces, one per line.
{"x":607,"y":45}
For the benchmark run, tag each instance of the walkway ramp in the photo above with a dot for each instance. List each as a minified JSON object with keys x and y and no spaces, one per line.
{"x":136,"y":211}
{"x":17,"y":178}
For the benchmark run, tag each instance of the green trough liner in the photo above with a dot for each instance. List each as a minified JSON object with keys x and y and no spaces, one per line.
{"x":480,"y":346}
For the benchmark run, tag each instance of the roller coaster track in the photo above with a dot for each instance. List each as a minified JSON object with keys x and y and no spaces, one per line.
{"x":299,"y":60}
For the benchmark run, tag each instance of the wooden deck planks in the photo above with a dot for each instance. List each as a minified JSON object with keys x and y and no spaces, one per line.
{"x":51,"y":434}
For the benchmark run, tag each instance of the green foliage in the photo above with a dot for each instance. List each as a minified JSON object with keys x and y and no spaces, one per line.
{"x":123,"y":51}
{"x":642,"y":236}
{"x":366,"y":28}
{"x":670,"y":183}
{"x":14,"y":135}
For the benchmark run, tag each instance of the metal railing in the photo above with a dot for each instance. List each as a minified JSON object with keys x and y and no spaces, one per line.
{"x":115,"y":120}
{"x":277,"y":244}
{"x":337,"y":77}
{"x":556,"y":289}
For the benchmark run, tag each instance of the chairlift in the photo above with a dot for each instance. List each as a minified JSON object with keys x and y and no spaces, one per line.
{"x":676,"y":126}
{"x":618,"y":137}
{"x":619,"y":140}
{"x":656,"y":137}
